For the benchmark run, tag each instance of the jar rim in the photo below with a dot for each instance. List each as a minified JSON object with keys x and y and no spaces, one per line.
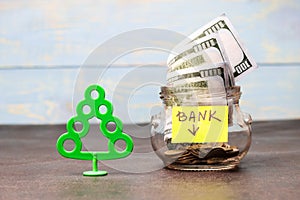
{"x":199,"y":96}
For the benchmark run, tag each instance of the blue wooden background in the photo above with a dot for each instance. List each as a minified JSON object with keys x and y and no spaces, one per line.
{"x":42,"y":45}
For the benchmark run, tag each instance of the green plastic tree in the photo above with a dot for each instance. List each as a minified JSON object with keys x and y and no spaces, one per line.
{"x":103,"y":110}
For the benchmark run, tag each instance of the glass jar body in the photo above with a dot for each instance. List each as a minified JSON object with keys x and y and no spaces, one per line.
{"x":208,"y":155}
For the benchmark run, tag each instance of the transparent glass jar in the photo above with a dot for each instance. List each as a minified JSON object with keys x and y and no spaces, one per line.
{"x":201,"y":156}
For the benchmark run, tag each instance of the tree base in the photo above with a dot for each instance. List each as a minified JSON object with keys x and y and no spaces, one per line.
{"x":94,"y":173}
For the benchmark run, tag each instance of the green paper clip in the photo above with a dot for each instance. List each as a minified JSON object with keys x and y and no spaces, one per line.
{"x":94,"y":103}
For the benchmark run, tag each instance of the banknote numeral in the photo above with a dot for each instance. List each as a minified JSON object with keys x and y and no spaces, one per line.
{"x":202,"y":74}
{"x":214,"y":28}
{"x":205,"y":45}
{"x":211,"y":72}
{"x":242,"y":67}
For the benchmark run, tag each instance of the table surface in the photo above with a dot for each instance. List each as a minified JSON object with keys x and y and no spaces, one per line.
{"x":31,"y":168}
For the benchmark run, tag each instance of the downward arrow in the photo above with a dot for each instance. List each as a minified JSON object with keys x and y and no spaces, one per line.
{"x":194,"y":130}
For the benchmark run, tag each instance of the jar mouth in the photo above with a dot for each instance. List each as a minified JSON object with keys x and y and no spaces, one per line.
{"x":234,"y":93}
{"x":170,"y":96}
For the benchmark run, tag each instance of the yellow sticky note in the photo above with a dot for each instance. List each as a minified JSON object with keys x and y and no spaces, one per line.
{"x":199,"y":124}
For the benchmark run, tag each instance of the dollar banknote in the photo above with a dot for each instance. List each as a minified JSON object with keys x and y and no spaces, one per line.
{"x":241,"y":62}
{"x":202,"y":60}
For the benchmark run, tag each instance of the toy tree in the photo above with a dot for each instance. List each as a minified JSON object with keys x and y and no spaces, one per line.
{"x":96,"y":106}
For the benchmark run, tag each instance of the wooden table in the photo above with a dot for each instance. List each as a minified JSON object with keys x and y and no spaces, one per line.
{"x":31,"y":168}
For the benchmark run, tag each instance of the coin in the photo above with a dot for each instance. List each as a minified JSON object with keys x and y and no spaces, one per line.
{"x":202,"y":154}
{"x":174,"y":152}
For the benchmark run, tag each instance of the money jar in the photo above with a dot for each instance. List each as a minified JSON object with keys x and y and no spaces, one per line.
{"x":201,"y":131}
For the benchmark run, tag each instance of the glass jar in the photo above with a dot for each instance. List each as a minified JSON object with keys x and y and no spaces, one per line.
{"x":201,"y":156}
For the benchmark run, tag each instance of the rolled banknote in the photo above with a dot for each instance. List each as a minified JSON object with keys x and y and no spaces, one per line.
{"x":241,"y":62}
{"x":199,"y":60}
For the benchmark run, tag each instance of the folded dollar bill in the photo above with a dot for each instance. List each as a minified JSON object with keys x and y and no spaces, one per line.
{"x":199,"y":60}
{"x":240,"y":62}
